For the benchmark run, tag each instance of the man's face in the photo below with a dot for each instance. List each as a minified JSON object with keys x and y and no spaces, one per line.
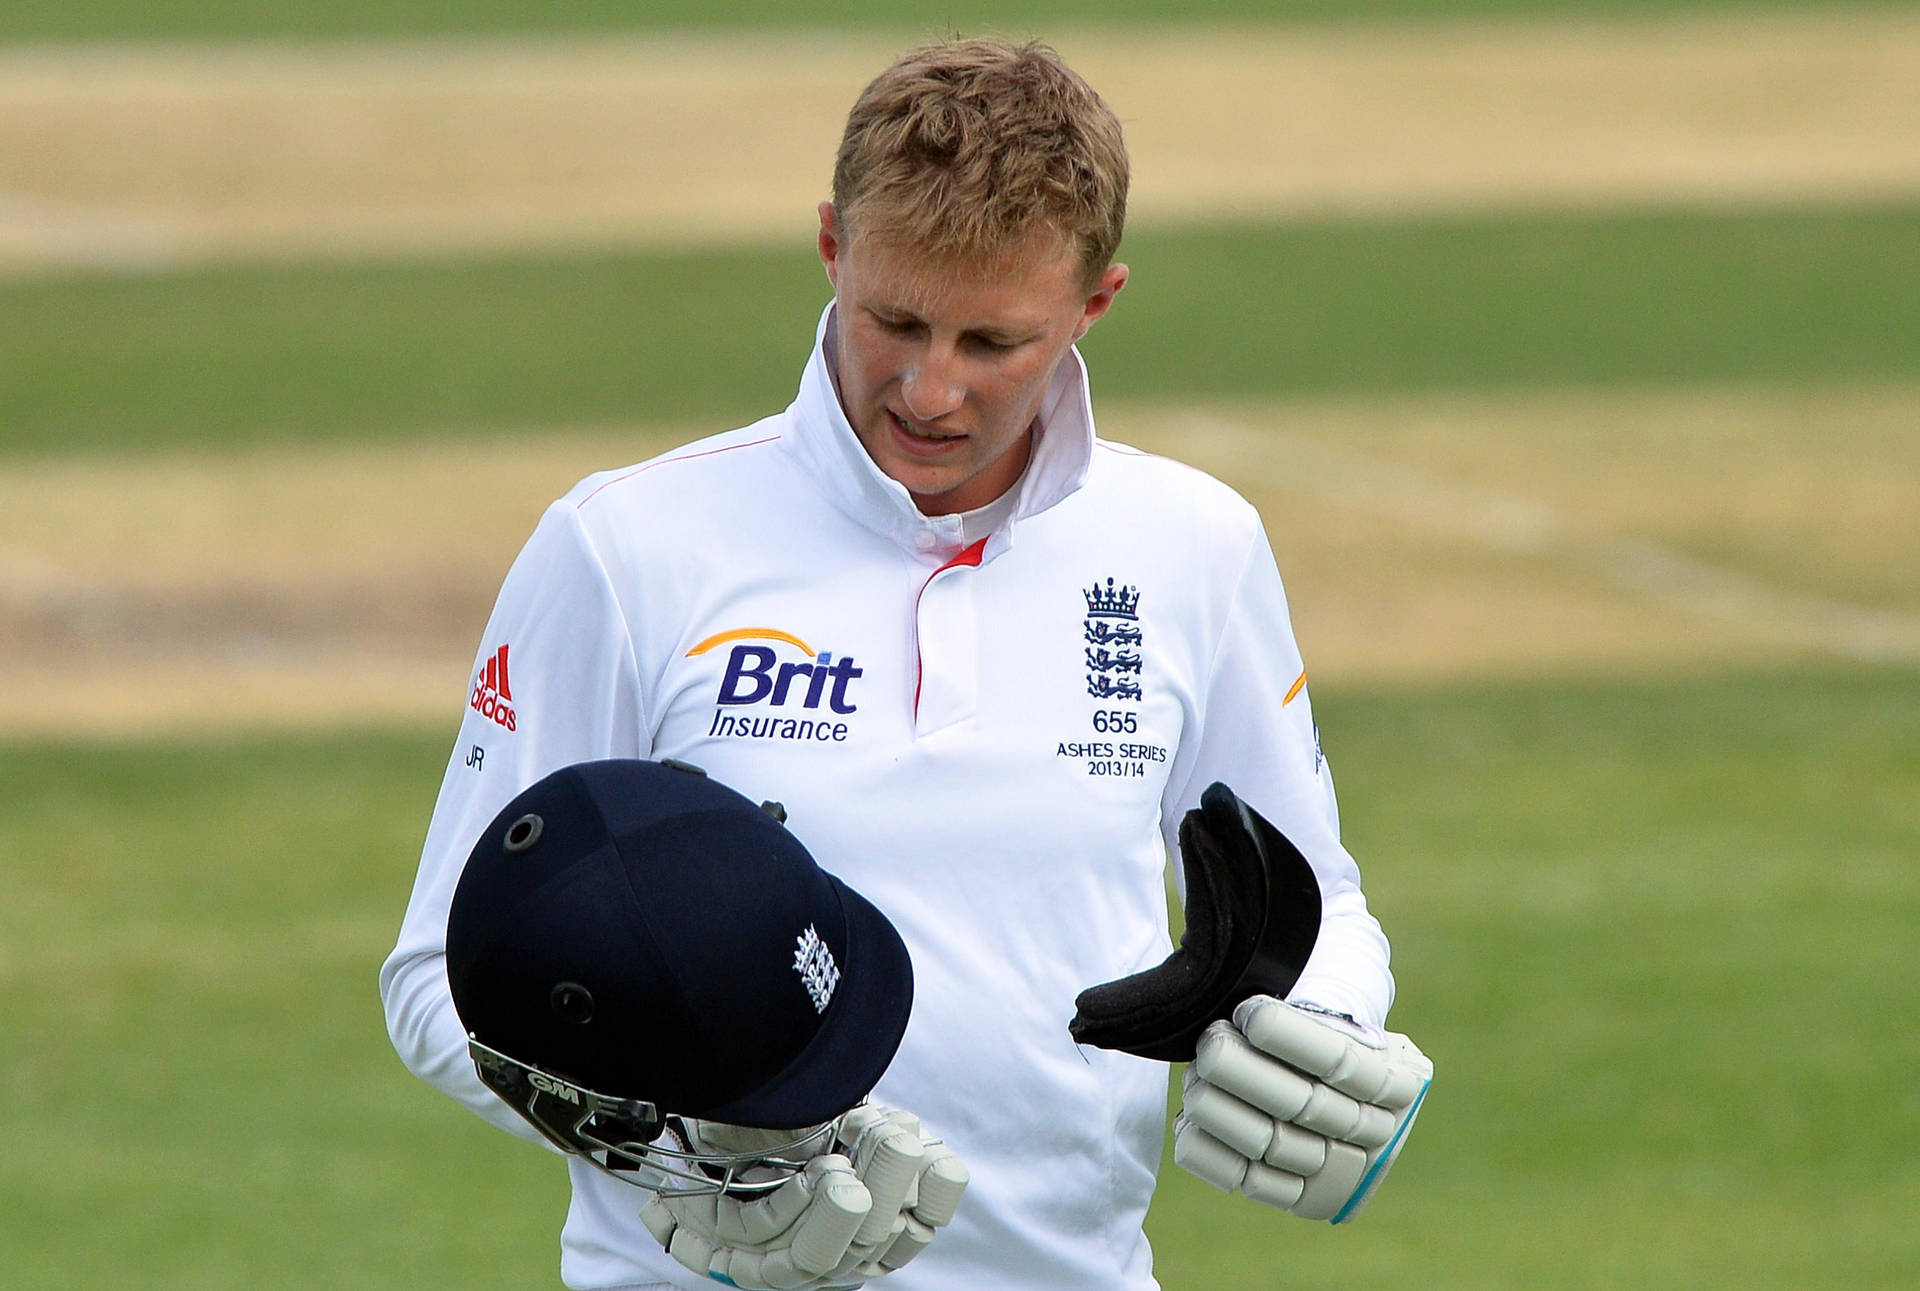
{"x":941,"y":371}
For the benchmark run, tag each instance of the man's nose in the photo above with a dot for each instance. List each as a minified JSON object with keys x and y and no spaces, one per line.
{"x":931,"y":388}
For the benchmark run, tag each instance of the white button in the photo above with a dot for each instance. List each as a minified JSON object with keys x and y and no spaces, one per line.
{"x":925,"y":540}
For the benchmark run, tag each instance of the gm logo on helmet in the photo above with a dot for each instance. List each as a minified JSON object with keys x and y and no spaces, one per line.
{"x":547,"y":1085}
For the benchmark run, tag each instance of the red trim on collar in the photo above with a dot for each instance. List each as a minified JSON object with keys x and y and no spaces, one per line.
{"x":970,"y":556}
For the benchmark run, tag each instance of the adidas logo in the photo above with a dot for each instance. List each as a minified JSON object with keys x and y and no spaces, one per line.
{"x":491,"y":694}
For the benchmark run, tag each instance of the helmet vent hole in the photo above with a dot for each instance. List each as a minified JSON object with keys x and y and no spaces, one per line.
{"x":572,"y":1002}
{"x":523,"y":834}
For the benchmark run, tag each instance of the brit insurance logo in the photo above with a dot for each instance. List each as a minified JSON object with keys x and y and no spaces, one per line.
{"x":777,"y":687}
{"x":1112,"y":635}
{"x":492,"y":696}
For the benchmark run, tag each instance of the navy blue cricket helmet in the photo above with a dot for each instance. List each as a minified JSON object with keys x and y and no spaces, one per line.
{"x":633,"y":942}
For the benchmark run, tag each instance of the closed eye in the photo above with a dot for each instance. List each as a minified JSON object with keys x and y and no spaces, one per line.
{"x":907,"y":325}
{"x":898,"y":326}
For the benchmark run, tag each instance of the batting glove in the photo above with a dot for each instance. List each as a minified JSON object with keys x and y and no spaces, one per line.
{"x":1302,"y":1110}
{"x":850,"y":1216}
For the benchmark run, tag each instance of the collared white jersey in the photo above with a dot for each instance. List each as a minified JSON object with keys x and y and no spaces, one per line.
{"x":992,"y":742}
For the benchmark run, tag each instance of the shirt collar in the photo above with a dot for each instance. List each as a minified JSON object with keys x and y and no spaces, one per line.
{"x":842,"y":470}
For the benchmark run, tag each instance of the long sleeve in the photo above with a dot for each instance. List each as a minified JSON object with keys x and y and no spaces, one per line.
{"x":554,"y":683}
{"x":1257,"y":734}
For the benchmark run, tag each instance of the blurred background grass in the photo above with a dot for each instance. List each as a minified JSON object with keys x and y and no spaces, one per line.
{"x":1655,"y":934}
{"x":1651,"y":921}
{"x":277,"y":352}
{"x":49,"y":20}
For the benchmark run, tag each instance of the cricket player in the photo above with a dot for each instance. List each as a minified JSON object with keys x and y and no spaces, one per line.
{"x":991,"y":664}
{"x":582,"y":945}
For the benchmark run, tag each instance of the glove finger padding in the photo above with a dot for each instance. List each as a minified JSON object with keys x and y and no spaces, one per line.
{"x":888,"y":1155}
{"x":846,"y":1218}
{"x":914,"y":1238}
{"x":916,"y":1181}
{"x":1297,"y":1113}
{"x":762,"y":1220}
{"x":1392,"y":1074}
{"x":1253,"y":915}
{"x":789,"y":1238}
{"x":943,"y":1181}
{"x":825,"y":1229}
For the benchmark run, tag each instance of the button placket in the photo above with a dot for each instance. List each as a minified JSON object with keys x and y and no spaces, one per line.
{"x":948,"y":651}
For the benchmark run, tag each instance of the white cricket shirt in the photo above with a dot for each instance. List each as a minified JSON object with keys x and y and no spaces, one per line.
{"x":993,"y":742}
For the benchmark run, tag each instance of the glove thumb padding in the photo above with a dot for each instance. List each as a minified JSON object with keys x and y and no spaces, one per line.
{"x":1253,"y":915}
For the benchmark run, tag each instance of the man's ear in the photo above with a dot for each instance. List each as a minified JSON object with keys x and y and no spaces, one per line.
{"x":1100,"y":299}
{"x":831,"y":243}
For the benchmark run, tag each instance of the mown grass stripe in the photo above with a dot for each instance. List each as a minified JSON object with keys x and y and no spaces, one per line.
{"x":256,"y":19}
{"x":279,"y":352}
{"x":1653,"y":915}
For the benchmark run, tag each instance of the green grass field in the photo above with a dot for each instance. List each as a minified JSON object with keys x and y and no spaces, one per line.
{"x":1654,"y":929}
{"x":1655,"y":935}
{"x":272,"y":353}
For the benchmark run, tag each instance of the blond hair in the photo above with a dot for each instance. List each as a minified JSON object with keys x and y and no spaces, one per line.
{"x":966,"y":149}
